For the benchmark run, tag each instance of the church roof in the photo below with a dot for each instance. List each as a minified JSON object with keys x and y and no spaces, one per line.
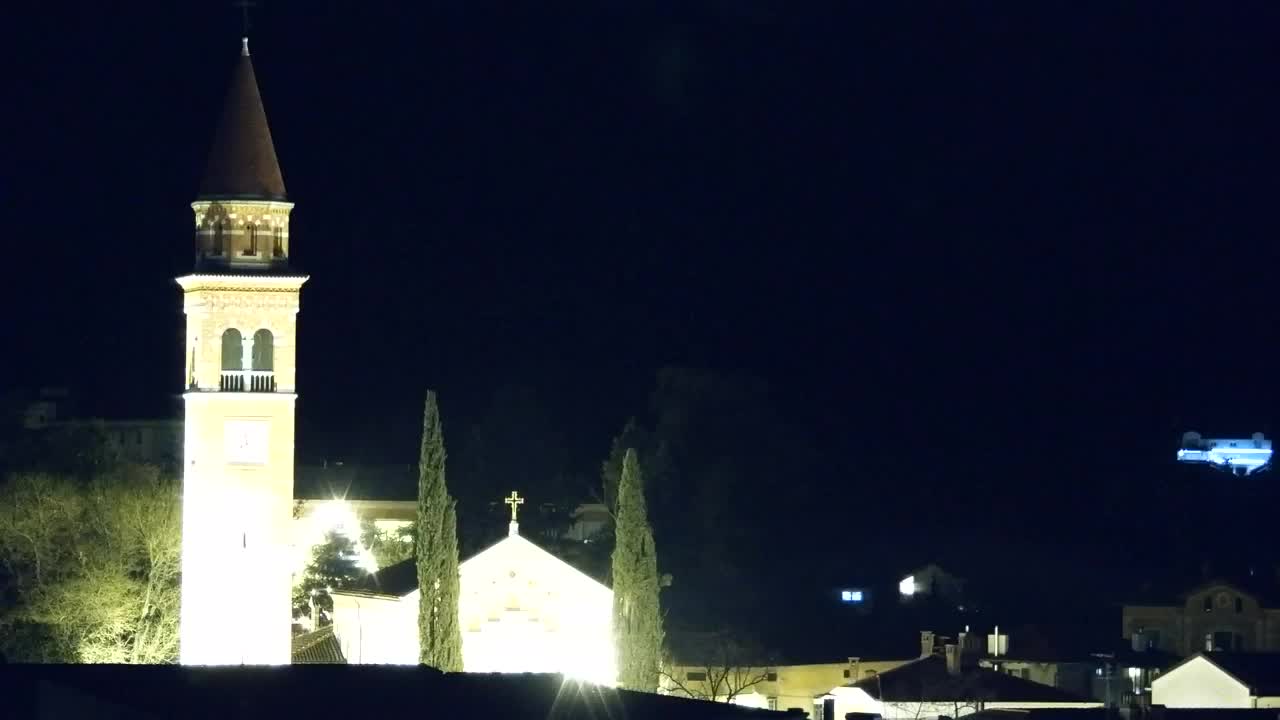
{"x":393,"y":580}
{"x":401,"y":579}
{"x":318,"y":647}
{"x":242,"y":163}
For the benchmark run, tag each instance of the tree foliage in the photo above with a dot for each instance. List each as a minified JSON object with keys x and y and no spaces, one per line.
{"x":388,"y":547}
{"x":91,"y":568}
{"x":439,"y":634}
{"x":334,"y":565}
{"x":719,"y":456}
{"x":637,"y":617}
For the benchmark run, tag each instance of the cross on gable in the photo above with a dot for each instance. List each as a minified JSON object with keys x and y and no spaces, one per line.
{"x":514,"y":501}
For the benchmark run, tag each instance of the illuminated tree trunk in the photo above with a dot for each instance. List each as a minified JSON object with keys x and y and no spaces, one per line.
{"x":439,"y":636}
{"x":637,"y":618}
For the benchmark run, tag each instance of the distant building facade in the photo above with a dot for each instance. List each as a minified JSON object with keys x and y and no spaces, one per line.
{"x":1216,"y":616}
{"x":766,"y":686}
{"x":150,"y":441}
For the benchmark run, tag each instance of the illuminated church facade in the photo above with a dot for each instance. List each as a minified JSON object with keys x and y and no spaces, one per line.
{"x":521,"y":608}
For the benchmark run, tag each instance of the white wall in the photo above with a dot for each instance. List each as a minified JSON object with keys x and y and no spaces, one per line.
{"x":376,"y":631}
{"x":851,"y":699}
{"x":1199,"y":683}
{"x":521,"y":610}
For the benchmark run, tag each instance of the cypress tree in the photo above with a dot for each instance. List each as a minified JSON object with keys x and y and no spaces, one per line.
{"x":449,"y":655}
{"x":637,"y":618}
{"x":439,"y":636}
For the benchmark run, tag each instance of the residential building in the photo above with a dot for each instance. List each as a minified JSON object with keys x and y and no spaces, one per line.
{"x":1221,"y":680}
{"x":1219,"y":615}
{"x":945,"y":685}
{"x":755,"y":682}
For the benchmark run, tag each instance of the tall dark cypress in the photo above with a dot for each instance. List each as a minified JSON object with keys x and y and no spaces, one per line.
{"x":439,"y":636}
{"x":637,"y":617}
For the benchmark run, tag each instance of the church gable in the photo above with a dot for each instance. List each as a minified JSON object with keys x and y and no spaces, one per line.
{"x":516,"y":554}
{"x":511,"y":554}
{"x":521,"y":609}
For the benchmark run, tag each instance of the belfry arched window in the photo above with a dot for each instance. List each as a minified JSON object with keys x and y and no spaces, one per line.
{"x":219,"y":239}
{"x":232,"y":350}
{"x":252,"y":231}
{"x":277,"y":242}
{"x":262,"y":350}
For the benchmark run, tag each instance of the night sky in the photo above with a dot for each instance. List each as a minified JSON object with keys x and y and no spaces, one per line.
{"x":992,"y":258}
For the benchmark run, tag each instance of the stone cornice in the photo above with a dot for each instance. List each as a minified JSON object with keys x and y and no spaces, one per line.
{"x":244,"y":283}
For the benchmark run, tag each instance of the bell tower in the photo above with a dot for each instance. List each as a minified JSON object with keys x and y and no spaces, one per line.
{"x":241,"y":304}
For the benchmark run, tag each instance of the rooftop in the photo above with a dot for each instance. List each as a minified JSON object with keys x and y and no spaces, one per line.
{"x":927,"y":680}
{"x":393,"y":580}
{"x":1259,"y":671}
{"x":162,"y":691}
{"x":242,"y":163}
{"x":318,"y":647}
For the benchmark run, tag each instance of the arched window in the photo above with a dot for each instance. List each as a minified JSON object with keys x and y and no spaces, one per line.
{"x":252,"y":231}
{"x":232,"y":350}
{"x":219,"y":240}
{"x":262,"y":350}
{"x":277,"y":242}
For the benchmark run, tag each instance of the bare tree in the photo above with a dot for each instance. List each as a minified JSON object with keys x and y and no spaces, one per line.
{"x":93,"y":566}
{"x":719,"y":667}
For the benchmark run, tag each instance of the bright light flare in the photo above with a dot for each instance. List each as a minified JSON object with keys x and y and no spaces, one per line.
{"x":338,"y":516}
{"x":908,"y":586}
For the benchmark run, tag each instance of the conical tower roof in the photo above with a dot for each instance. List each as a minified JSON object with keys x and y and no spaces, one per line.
{"x":243,"y":161}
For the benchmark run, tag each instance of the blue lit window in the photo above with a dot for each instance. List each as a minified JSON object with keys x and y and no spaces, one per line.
{"x":851,"y":596}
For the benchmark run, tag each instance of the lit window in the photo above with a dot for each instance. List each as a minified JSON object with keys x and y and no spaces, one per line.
{"x":908,"y":585}
{"x":851,"y":596}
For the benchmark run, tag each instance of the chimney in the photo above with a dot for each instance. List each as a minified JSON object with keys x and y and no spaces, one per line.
{"x":926,"y":643}
{"x":997,"y":644}
{"x":953,"y":658}
{"x":969,"y":647}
